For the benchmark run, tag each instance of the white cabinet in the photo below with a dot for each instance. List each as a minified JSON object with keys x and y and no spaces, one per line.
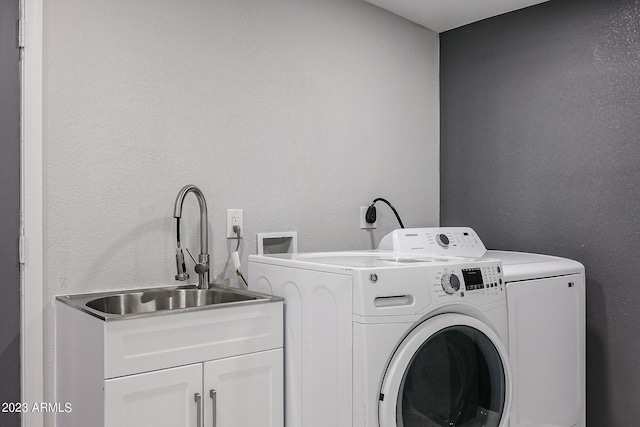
{"x":159,"y":398}
{"x":236,"y":391}
{"x":244,"y":391}
{"x":148,"y":372}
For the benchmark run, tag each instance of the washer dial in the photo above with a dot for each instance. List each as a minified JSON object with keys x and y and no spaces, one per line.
{"x":450,"y":283}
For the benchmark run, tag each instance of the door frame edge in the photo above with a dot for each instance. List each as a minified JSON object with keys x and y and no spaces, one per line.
{"x":32,"y":195}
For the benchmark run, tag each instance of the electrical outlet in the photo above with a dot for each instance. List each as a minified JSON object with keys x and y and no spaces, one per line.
{"x":234,"y":217}
{"x":364,"y":225}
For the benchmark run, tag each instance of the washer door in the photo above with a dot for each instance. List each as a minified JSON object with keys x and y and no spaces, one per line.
{"x":451,"y":370}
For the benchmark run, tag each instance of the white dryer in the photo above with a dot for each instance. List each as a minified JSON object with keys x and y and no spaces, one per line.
{"x":547,"y":329}
{"x":384,"y":340}
{"x":546,"y":313}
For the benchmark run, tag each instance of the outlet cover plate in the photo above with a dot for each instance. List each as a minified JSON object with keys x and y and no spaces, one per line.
{"x":364,"y":225}
{"x":234,"y":217}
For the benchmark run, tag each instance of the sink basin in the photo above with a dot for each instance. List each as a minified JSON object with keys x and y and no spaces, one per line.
{"x":145,"y":302}
{"x":158,"y":301}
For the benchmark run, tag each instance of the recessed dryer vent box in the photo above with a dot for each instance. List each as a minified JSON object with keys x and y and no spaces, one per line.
{"x":278,"y":243}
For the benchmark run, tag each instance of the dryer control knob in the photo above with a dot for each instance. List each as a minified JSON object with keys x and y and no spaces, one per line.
{"x":442,"y":240}
{"x":450,"y":283}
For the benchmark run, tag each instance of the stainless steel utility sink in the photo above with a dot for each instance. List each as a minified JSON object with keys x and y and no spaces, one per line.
{"x":158,"y":301}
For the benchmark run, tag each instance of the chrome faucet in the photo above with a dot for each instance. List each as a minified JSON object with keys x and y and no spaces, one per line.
{"x":202,"y":266}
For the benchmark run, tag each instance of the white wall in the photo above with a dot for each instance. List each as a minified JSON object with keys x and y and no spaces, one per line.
{"x":297,"y":111}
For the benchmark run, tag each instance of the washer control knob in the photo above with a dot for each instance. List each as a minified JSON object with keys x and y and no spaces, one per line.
{"x":450,"y":283}
{"x":442,"y":240}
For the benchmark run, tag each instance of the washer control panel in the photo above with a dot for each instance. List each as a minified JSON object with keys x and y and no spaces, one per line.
{"x":411,"y":287}
{"x":450,"y":283}
{"x":470,"y":280}
{"x":482,"y":278}
{"x":449,"y":241}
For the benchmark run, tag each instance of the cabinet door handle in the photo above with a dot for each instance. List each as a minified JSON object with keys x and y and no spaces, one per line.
{"x":213,"y":394}
{"x":198,"y":399}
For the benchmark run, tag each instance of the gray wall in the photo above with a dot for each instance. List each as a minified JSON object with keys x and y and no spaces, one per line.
{"x":9,"y":211}
{"x":297,"y":111}
{"x":540,"y":152}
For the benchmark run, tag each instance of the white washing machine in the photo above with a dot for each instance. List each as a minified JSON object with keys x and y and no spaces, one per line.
{"x":377,"y":339}
{"x":546,"y":314}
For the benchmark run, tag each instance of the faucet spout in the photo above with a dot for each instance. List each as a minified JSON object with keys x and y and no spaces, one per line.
{"x":202,"y":266}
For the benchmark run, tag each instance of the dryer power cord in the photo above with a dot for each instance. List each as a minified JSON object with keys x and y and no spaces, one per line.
{"x":370,"y":216}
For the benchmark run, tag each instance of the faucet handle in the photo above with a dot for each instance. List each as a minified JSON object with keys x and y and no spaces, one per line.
{"x":181,"y":266}
{"x":202,"y":266}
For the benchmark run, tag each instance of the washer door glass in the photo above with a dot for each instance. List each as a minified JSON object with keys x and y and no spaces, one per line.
{"x":454,"y":377}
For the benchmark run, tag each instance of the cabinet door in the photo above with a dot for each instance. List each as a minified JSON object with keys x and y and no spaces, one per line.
{"x":244,"y":391}
{"x":163,"y":398}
